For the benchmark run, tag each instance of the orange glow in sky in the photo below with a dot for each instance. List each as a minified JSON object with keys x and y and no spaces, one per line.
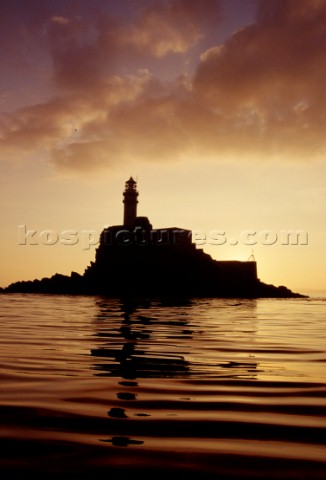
{"x":217,"y":107}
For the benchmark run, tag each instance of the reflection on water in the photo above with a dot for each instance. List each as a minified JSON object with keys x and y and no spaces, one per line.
{"x":212,"y":388}
{"x":148,"y":340}
{"x":145,"y":340}
{"x":132,"y":346}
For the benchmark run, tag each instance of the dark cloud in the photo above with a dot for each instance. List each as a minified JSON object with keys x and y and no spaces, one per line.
{"x":85,"y":50}
{"x":269,"y":78}
{"x":76,"y":58}
{"x":260,"y":94}
{"x":21,"y":32}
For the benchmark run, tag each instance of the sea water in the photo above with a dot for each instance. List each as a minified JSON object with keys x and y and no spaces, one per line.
{"x":206,"y":388}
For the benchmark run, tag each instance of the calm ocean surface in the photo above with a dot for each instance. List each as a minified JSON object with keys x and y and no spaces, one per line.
{"x":225,"y":389}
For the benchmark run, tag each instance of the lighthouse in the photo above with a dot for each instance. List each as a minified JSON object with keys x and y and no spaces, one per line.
{"x":130,"y":201}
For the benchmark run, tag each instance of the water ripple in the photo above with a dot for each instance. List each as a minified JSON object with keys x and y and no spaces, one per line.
{"x":210,"y":388}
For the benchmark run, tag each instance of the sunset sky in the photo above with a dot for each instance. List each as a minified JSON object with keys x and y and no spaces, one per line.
{"x":216,"y":107}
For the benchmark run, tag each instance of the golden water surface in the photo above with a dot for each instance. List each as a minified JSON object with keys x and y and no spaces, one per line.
{"x":209,"y":388}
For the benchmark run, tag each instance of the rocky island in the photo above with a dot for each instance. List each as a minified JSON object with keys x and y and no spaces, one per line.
{"x":136,"y":260}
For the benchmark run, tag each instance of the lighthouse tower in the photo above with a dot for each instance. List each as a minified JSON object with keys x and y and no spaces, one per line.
{"x":130,"y":202}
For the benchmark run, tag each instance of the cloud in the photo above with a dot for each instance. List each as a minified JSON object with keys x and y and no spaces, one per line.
{"x":98,"y":115}
{"x":60,"y":20}
{"x":269,"y":78}
{"x":167,"y":27}
{"x":85,"y":50}
{"x":259,"y":95}
{"x":20,"y":33}
{"x":69,"y":125}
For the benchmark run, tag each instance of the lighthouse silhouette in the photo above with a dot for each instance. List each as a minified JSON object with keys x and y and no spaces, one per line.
{"x":130,"y":201}
{"x":135,"y":260}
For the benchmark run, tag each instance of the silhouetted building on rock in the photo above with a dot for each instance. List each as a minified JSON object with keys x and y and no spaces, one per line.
{"x":134,"y":259}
